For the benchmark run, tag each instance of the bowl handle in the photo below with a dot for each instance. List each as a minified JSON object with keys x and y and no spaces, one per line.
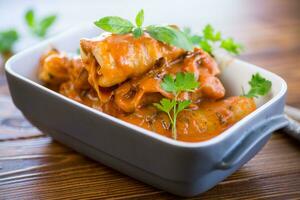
{"x":243,"y":146}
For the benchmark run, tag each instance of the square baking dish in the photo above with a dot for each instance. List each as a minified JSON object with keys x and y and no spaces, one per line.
{"x":181,"y":168}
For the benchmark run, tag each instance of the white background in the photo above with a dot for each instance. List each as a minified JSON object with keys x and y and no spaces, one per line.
{"x":189,"y":13}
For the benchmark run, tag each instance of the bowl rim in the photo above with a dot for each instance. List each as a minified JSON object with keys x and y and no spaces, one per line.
{"x":9,"y":65}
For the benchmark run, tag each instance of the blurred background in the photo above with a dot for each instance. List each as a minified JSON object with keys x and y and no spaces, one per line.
{"x":252,"y":22}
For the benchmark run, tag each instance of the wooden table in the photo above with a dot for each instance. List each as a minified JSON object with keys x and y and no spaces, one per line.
{"x":33,"y":166}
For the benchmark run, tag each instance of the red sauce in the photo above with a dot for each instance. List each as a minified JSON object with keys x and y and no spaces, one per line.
{"x":121,"y":76}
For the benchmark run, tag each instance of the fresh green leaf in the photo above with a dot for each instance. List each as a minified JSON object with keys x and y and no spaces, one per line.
{"x":209,"y":33}
{"x":170,"y":36}
{"x":166,"y":34}
{"x":39,"y":27}
{"x":187,"y":30}
{"x":168,"y":84}
{"x":186,"y":82}
{"x":30,"y":18}
{"x":44,"y":25}
{"x":212,"y":38}
{"x":165,"y":105}
{"x":259,"y":86}
{"x":183,"y":82}
{"x":115,"y":25}
{"x":139,"y":19}
{"x":182,"y":105}
{"x":231,"y":46}
{"x":195,"y":39}
{"x":7,"y":40}
{"x":137,"y":32}
{"x":209,"y":37}
{"x":206,"y":46}
{"x":179,"y":81}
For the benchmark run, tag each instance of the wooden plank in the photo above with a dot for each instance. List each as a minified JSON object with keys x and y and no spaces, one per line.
{"x":41,"y":168}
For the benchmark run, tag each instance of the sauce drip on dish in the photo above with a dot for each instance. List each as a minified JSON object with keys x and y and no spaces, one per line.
{"x":122,"y":75}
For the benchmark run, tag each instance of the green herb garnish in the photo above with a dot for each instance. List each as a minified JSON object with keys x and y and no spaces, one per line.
{"x":183,"y":82}
{"x":139,"y":20}
{"x":259,"y":86}
{"x":166,"y":34}
{"x":7,"y":40}
{"x":209,"y":33}
{"x":170,"y":36}
{"x":115,"y":25}
{"x":231,"y":46}
{"x":206,"y":46}
{"x":211,"y":38}
{"x":39,"y":27}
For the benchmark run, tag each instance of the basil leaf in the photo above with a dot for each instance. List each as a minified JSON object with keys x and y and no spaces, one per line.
{"x":139,"y":19}
{"x":137,"y":32}
{"x":170,"y":36}
{"x":44,"y":25}
{"x":7,"y":39}
{"x":187,"y":30}
{"x":30,"y":18}
{"x":38,"y":27}
{"x":195,"y":39}
{"x":115,"y":25}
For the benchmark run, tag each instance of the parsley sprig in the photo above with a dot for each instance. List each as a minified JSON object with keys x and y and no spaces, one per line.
{"x":231,"y":46}
{"x":259,"y":86}
{"x":183,"y":82}
{"x":209,"y":33}
{"x":166,"y":34}
{"x":7,"y":40}
{"x":211,"y":38}
{"x":39,"y":27}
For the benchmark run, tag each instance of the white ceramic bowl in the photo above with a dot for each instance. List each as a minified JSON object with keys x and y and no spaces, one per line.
{"x":181,"y":168}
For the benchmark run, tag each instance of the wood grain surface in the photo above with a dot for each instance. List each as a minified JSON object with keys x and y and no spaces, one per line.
{"x":36,"y":167}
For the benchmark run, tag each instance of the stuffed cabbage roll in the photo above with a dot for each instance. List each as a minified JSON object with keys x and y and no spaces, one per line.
{"x":208,"y":121}
{"x":146,"y":89}
{"x":115,"y":58}
{"x":54,"y":67}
